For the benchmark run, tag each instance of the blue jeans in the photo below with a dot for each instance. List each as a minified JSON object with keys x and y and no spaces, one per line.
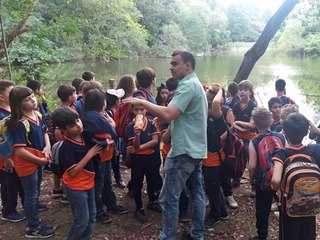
{"x":31,"y":188}
{"x":180,"y":172}
{"x":83,"y":209}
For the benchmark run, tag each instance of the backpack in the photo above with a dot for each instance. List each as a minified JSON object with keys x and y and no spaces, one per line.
{"x":269,"y":142}
{"x":300,"y":186}
{"x":235,"y":159}
{"x":55,"y":164}
{"x":122,"y":117}
{"x":6,"y":142}
{"x":51,"y":127}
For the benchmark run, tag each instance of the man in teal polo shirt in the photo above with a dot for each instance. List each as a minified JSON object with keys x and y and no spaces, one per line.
{"x":187,"y":112}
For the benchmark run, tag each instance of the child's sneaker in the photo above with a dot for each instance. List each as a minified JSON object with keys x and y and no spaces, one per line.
{"x":231,"y":202}
{"x":47,"y":168}
{"x":104,"y":218}
{"x":119,"y":209}
{"x":42,"y":207}
{"x":14,"y":217}
{"x":224,"y":216}
{"x":121,"y":183}
{"x":154,"y":206}
{"x":57,"y":193}
{"x":184,"y":216}
{"x":141,"y":215}
{"x":211,"y":221}
{"x":40,"y":232}
{"x":64,"y":200}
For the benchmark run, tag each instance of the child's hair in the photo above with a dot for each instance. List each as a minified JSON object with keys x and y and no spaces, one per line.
{"x":247,"y":85}
{"x":212,"y":92}
{"x":233,"y":89}
{"x":288,"y":109}
{"x":111,"y":100}
{"x":33,"y":84}
{"x":64,"y":116}
{"x":86,"y":86}
{"x":128,"y":84}
{"x":16,"y":97}
{"x":274,"y":100}
{"x":262,"y":118}
{"x":76,"y":83}
{"x":88,"y":76}
{"x":4,"y":84}
{"x":145,"y":77}
{"x":280,"y":85}
{"x":296,"y":127}
{"x":158,"y":97}
{"x":95,"y":100}
{"x":65,"y":91}
{"x":172,"y":84}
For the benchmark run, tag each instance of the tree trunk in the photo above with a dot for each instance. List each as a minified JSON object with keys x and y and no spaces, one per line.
{"x":261,"y":45}
{"x":19,"y":29}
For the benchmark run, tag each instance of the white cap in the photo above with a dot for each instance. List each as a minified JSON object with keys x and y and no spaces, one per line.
{"x":116,"y":92}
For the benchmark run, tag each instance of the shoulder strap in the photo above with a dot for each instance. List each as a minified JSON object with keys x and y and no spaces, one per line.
{"x":26,"y":124}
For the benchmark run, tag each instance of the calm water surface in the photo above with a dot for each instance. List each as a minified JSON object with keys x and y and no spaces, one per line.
{"x":302,"y":75}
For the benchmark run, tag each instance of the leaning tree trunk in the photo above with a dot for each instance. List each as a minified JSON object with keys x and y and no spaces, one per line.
{"x":261,"y":45}
{"x":19,"y":29}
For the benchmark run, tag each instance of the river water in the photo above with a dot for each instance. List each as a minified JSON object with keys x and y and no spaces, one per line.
{"x":302,"y":75}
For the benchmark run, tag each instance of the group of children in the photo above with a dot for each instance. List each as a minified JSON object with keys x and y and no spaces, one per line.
{"x":88,"y":143}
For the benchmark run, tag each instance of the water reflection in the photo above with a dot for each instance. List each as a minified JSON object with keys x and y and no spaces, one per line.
{"x":301,"y":75}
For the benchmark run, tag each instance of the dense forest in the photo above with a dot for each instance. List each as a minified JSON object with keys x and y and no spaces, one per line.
{"x":66,"y":30}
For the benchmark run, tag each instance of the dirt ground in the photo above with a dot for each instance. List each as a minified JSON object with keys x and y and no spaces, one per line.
{"x":240,"y":225}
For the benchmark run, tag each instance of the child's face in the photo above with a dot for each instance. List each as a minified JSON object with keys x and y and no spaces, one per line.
{"x":74,"y":129}
{"x":73,"y":97}
{"x":29,"y":103}
{"x":138,"y":109}
{"x":5,"y":95}
{"x":164,"y":94}
{"x":276,"y":110}
{"x":244,"y":93}
{"x":39,"y":92}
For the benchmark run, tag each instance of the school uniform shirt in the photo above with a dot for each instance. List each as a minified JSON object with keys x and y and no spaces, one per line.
{"x":96,"y":129}
{"x":71,"y":153}
{"x":244,"y":114}
{"x":313,"y":150}
{"x":276,"y":126}
{"x":146,"y":135}
{"x":215,"y":129}
{"x":33,"y":142}
{"x":3,"y":114}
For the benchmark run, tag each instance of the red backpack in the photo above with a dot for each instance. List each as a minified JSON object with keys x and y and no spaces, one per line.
{"x":269,"y":142}
{"x":122,"y":117}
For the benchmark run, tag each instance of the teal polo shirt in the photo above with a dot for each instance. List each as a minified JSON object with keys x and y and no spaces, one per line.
{"x":189,"y":130}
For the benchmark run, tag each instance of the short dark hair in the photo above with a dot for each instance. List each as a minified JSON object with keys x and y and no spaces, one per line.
{"x":65,"y":91}
{"x":76,"y":83}
{"x":296,"y":127}
{"x":145,"y":77}
{"x":172,"y":84}
{"x":280,"y":85}
{"x":274,"y":100}
{"x":88,"y":76}
{"x":262,"y":118}
{"x":95,"y":100}
{"x":64,"y":116}
{"x":186,"y":57}
{"x":33,"y":84}
{"x":233,"y":89}
{"x":4,"y":84}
